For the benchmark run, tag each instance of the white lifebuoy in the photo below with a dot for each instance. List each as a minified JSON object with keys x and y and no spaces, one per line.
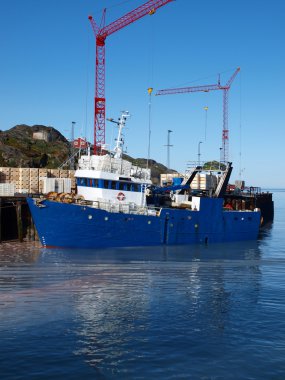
{"x":121,"y":197}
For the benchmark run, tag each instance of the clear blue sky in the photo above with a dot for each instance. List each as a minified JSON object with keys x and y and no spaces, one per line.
{"x":47,"y":76}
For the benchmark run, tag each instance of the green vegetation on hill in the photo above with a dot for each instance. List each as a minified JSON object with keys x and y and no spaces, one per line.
{"x":214,"y":165}
{"x":18,"y":148}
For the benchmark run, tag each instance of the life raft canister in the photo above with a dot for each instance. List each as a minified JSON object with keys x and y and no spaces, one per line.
{"x":121,"y":197}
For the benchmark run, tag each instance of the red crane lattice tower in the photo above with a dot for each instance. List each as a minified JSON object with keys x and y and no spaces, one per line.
{"x":207,"y":88}
{"x":101,"y":33}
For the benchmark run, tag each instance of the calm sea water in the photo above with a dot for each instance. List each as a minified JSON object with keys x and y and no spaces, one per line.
{"x":194,"y":312}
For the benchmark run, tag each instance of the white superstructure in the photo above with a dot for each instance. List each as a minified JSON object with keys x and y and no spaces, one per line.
{"x":110,"y":178}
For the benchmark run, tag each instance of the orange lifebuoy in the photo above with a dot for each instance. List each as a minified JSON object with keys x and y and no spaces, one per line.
{"x":121,"y":197}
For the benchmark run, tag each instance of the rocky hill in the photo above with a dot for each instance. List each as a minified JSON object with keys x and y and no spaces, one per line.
{"x":39,"y":146}
{"x":20,"y":148}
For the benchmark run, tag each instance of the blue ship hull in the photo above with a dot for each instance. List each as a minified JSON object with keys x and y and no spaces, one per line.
{"x":78,"y":226}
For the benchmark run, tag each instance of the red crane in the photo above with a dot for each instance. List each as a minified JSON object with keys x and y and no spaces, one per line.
{"x":207,"y":88}
{"x":101,"y":33}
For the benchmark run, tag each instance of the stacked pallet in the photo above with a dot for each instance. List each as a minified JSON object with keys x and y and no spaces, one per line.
{"x":64,"y":173}
{"x":21,"y":179}
{"x":7,"y":189}
{"x":34,"y":180}
{"x":4,"y":175}
{"x":43,"y":173}
{"x":204,"y":181}
{"x":168,"y":179}
{"x":58,"y":185}
{"x":54,"y":173}
{"x":72,"y":178}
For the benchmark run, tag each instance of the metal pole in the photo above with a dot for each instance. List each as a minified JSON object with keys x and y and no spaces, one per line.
{"x":149,"y":90}
{"x":168,"y":148}
{"x":206,"y":120}
{"x":72,"y":146}
{"x":199,"y":154}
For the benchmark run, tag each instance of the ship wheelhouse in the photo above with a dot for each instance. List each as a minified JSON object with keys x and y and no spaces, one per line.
{"x":110,"y":178}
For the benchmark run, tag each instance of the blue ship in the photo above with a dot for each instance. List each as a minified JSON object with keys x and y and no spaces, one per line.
{"x":116,"y":205}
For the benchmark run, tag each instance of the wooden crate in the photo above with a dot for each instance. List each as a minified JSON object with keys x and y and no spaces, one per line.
{"x":24,"y":171}
{"x":34,"y":183}
{"x":41,"y":184}
{"x":54,"y":173}
{"x":34,"y":173}
{"x":43,"y":172}
{"x":5,"y":170}
{"x":22,"y":183}
{"x":14,"y":174}
{"x":34,"y":187}
{"x":63,"y":173}
{"x":71,"y":173}
{"x":4,"y":177}
{"x":15,"y":170}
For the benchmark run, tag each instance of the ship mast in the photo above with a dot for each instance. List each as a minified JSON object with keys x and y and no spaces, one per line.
{"x":118,"y":150}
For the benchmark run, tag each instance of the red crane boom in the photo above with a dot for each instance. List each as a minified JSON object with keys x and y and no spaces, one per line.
{"x":207,"y":88}
{"x":101,"y":33}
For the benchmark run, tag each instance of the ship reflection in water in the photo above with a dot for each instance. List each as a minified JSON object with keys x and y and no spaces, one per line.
{"x":168,"y":312}
{"x":164,"y":301}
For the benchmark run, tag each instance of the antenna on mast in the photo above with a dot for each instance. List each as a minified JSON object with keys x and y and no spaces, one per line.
{"x":121,"y":123}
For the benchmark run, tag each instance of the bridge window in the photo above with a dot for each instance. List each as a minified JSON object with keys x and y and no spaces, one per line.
{"x":106,"y":184}
{"x":82,"y":181}
{"x":137,"y":187}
